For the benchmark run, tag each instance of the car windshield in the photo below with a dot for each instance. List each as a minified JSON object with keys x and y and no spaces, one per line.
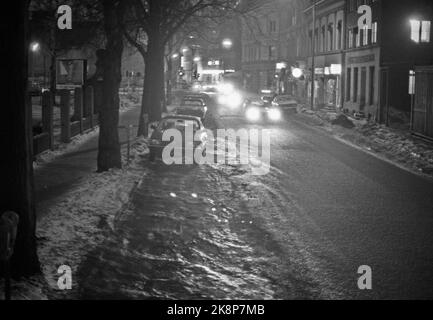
{"x":193,"y":97}
{"x":283,"y":98}
{"x":267,"y":98}
{"x":197,"y":103}
{"x":179,"y":124}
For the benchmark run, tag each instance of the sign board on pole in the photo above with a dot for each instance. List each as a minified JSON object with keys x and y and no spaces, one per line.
{"x":70,"y":73}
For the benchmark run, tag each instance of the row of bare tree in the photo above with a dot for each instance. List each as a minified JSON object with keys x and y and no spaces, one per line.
{"x":149,"y":25}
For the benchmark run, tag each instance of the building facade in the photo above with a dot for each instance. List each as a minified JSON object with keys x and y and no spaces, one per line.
{"x":264,"y":45}
{"x":325,"y":40}
{"x":367,"y":71}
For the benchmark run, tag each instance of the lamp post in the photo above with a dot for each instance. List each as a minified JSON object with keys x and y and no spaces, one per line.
{"x":227,"y":44}
{"x":313,"y":47}
{"x":34,"y":47}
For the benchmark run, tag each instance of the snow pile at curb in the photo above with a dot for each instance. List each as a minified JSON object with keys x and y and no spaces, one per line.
{"x":398,"y":146}
{"x":64,"y":148}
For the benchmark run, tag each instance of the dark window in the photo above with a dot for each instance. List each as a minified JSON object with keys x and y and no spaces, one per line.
{"x":355,"y":85}
{"x":372,"y":79}
{"x":349,"y":83}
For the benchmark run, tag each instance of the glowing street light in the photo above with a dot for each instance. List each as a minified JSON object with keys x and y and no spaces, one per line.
{"x":227,"y":43}
{"x":35,"y":46}
{"x":296,"y":73}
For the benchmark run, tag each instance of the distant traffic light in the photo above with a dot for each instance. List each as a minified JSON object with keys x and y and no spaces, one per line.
{"x":181,"y":73}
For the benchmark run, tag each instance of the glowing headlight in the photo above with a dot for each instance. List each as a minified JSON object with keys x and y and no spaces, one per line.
{"x":274,"y":114}
{"x":253,"y":114}
{"x":234,"y":100}
{"x":222,"y":99}
{"x":225,"y":88}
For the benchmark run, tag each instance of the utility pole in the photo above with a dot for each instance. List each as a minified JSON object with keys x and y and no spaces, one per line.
{"x":313,"y":65}
{"x":313,"y":47}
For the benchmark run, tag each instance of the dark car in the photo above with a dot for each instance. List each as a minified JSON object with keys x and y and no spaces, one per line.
{"x":259,"y":111}
{"x":192,"y":107}
{"x":286,"y":103}
{"x":179,"y":122}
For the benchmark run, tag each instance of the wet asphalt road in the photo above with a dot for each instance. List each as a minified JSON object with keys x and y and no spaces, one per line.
{"x":299,"y":232}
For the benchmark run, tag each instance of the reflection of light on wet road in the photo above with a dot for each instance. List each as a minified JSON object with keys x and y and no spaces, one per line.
{"x":182,"y":243}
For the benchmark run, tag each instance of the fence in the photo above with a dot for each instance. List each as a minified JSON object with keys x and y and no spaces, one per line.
{"x":58,"y":122}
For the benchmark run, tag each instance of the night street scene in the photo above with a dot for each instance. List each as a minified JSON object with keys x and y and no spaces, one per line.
{"x":217,"y":150}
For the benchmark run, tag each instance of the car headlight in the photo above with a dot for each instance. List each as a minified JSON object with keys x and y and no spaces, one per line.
{"x":234,"y":100}
{"x":225,"y":88}
{"x":222,"y":99}
{"x":253,"y":114}
{"x":274,"y":114}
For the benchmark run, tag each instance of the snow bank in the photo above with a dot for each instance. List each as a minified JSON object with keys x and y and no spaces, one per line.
{"x":395,"y":145}
{"x":76,"y":223}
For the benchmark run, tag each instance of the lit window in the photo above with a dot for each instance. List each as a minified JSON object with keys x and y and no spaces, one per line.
{"x":420,"y":31}
{"x":425,"y":31}
{"x":357,"y":37}
{"x":374,"y":32}
{"x":350,"y":38}
{"x":415,"y":26}
{"x":365,"y":36}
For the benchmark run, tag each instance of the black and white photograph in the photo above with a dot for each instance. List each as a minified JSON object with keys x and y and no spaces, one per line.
{"x":219,"y":156}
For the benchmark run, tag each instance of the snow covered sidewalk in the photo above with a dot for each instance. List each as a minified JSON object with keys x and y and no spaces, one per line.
{"x":74,"y":204}
{"x":397,"y":146}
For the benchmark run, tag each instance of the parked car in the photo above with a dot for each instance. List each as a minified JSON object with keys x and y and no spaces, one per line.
{"x":259,"y":111}
{"x":194,"y":96}
{"x":210,"y":90}
{"x":286,"y":103}
{"x":268,"y":98}
{"x":192,"y":106}
{"x":179,"y":122}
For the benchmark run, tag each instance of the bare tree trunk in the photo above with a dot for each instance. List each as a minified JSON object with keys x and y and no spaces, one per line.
{"x":169,"y":80}
{"x":155,"y":73}
{"x":153,"y":85}
{"x":16,"y":178}
{"x":109,"y":148}
{"x":141,"y":125}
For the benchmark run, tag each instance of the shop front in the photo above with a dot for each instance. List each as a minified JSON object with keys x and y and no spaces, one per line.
{"x":328,"y":88}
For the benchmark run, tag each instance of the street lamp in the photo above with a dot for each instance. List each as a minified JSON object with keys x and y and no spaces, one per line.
{"x":296,"y":73}
{"x":35,"y":46}
{"x":227,"y":44}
